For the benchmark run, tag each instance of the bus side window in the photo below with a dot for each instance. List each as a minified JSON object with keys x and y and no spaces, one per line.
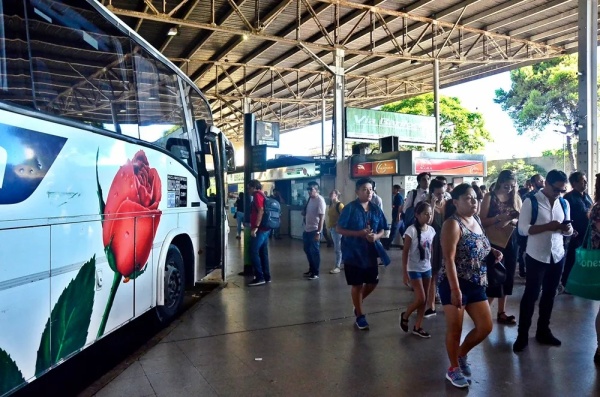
{"x":81,"y":67}
{"x":15,"y":73}
{"x":180,"y":148}
{"x":159,"y":103}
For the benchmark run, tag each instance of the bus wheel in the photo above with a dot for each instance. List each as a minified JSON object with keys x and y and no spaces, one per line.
{"x":174,"y":285}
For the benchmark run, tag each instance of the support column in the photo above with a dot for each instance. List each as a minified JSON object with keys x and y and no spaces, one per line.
{"x":342,"y":174}
{"x":338,"y":104}
{"x":323,"y":119}
{"x":249,"y":127}
{"x":587,"y":148}
{"x":436,"y":103}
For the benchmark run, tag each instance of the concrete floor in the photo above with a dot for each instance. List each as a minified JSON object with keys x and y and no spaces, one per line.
{"x":296,"y":337}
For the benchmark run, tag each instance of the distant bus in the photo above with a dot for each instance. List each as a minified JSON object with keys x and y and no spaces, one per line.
{"x":106,"y":151}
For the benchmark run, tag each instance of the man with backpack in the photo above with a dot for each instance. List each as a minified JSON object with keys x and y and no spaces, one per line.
{"x":414,"y":197}
{"x":259,"y":235}
{"x":536,"y":183}
{"x":314,"y":217}
{"x":545,"y":219}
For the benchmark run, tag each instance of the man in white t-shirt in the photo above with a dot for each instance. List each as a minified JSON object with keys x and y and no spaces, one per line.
{"x":314,"y":216}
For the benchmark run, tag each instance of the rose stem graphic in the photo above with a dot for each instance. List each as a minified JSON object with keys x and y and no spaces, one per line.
{"x":111,"y":299}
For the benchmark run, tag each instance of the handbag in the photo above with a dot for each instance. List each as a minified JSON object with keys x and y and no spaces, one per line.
{"x":584,"y":279}
{"x":499,"y":236}
{"x":496,"y":272}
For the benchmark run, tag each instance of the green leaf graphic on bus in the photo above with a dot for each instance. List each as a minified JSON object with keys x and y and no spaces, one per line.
{"x":130,"y":219}
{"x":10,"y":376}
{"x":67,"y":328}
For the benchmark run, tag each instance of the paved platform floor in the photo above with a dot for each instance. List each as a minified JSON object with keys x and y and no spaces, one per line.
{"x":295,"y":337}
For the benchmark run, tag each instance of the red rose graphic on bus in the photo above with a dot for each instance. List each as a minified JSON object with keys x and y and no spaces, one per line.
{"x":131,"y":215}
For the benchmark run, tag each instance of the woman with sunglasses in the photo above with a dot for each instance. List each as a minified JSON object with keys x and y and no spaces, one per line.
{"x":500,"y":209}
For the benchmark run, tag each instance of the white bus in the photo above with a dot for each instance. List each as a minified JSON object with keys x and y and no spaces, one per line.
{"x":106,"y":151}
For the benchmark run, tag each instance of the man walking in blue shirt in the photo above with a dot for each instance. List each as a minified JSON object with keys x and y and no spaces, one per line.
{"x":362,"y":224}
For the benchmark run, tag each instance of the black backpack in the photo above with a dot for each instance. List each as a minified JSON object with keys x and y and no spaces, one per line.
{"x":272,"y":216}
{"x":409,"y":215}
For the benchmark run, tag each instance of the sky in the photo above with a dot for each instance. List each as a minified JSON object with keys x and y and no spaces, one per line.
{"x":476,"y":96}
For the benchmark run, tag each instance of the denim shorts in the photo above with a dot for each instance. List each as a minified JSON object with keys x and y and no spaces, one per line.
{"x":471,"y":292}
{"x":418,"y":275}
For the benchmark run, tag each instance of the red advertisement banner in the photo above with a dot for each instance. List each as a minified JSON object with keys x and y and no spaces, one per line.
{"x":449,"y":166}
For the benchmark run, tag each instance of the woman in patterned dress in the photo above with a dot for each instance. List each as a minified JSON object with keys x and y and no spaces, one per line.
{"x":463,"y":280}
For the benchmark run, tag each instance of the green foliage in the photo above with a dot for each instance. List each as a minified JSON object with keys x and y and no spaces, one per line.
{"x":542,"y":94}
{"x":462,"y":131}
{"x":523,"y":171}
{"x":10,"y":376}
{"x":66,"y":329}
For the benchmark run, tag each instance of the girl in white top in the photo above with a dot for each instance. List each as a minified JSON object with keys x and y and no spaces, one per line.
{"x":416,"y":262}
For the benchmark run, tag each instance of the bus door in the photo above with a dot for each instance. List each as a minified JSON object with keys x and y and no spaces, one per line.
{"x":218,"y":228}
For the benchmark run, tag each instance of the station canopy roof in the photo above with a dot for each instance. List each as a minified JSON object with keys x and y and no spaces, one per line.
{"x":278,"y":56}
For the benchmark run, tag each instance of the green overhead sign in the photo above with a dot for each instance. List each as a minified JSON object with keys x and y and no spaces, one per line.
{"x":366,"y":124}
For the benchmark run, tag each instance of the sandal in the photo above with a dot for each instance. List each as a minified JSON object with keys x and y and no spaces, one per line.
{"x":403,"y":322}
{"x":504,"y":319}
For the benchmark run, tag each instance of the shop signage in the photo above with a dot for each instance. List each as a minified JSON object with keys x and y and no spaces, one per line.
{"x":267,"y":133}
{"x":375,"y":168}
{"x":449,"y":167}
{"x":386,"y":167}
{"x":366,"y":124}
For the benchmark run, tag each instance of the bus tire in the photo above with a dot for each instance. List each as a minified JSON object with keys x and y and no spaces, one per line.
{"x":174,"y":284}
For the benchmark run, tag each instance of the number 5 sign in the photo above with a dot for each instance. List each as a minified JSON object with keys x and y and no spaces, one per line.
{"x":267,"y":133}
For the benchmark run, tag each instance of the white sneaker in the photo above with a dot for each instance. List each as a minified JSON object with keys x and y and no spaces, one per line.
{"x":335,"y":270}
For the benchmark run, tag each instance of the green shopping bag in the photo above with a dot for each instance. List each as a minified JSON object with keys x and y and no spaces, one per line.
{"x":584,"y":279}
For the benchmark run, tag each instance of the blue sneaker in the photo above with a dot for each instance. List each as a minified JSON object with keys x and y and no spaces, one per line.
{"x":464,"y":365}
{"x":361,"y":322}
{"x":456,"y":377}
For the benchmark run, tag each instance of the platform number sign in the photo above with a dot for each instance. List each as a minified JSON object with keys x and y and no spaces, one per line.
{"x":267,"y":133}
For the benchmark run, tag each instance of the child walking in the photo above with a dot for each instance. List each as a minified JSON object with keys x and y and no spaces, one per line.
{"x":416,"y":262}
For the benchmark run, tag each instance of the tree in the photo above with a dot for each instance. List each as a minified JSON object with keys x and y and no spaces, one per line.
{"x":461,"y":130}
{"x":542,"y":95}
{"x":522,"y":170}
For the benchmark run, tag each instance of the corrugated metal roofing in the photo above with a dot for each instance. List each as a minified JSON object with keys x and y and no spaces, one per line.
{"x":236,"y":49}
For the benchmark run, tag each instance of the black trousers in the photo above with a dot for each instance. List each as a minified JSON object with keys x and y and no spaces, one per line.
{"x":539,"y":275}
{"x":574,"y":243}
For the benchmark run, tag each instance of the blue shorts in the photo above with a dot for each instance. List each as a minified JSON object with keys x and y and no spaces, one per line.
{"x":471,"y":292}
{"x":418,"y":275}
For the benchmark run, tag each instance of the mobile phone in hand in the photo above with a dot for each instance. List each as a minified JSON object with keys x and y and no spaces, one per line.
{"x":567,"y":221}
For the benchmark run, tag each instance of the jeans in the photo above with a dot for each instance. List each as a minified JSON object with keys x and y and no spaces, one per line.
{"x":239,"y":216}
{"x":311,"y":248}
{"x":393,"y":231}
{"x":546,"y":276}
{"x":337,"y":246}
{"x":259,"y":255}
